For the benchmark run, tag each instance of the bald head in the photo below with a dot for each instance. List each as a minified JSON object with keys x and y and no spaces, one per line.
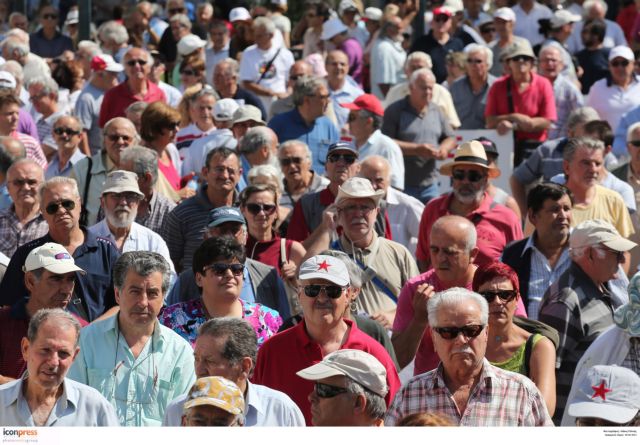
{"x":377,"y":170}
{"x":456,"y":228}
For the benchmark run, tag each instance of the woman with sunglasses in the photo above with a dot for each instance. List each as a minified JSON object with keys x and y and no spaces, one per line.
{"x":196,"y":111}
{"x":509,"y":346}
{"x":192,"y":72}
{"x":219,"y":270}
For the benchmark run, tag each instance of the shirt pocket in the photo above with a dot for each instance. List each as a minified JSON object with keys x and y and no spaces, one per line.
{"x":102,"y":380}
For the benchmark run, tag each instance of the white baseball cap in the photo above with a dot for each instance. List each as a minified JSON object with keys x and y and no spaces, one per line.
{"x":104,"y":62}
{"x":325,"y":267}
{"x":331,"y":28}
{"x":505,"y":13}
{"x":372,"y":13}
{"x":224,"y":109}
{"x":563,"y":17}
{"x":189,"y":44}
{"x":621,"y":51}
{"x":7,"y":80}
{"x":53,"y":257}
{"x":238,"y":14}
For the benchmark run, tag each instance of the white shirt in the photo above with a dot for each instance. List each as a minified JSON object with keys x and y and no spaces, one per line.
{"x":611,"y":101}
{"x":527,"y":23}
{"x":404,"y":213}
{"x":195,"y":155}
{"x":382,"y":145}
{"x":174,"y":96}
{"x":387,"y":62}
{"x":212,"y":57}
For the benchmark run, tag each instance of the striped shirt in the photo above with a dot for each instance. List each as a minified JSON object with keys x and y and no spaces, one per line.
{"x":500,"y":398}
{"x":568,"y":98}
{"x":632,"y":360}
{"x":159,"y":208}
{"x":32,"y":148}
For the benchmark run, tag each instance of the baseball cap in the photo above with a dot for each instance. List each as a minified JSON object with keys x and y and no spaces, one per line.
{"x":73,"y":17}
{"x":224,"y":214}
{"x":367,"y":102}
{"x":325,"y":267}
{"x":248,"y":113}
{"x":119,"y":181}
{"x":607,"y":392}
{"x":489,"y":146}
{"x":341,"y":146}
{"x":238,"y":14}
{"x":224,"y":108}
{"x":332,"y":27}
{"x":519,"y":48}
{"x":442,"y":10}
{"x":454,"y":6}
{"x":346,"y":5}
{"x":53,"y":257}
{"x":104,"y":62}
{"x":189,"y":44}
{"x":372,"y":13}
{"x":359,"y":366}
{"x":505,"y":13}
{"x":7,"y":80}
{"x":621,"y":51}
{"x":563,"y":17}
{"x":218,"y":392}
{"x":598,"y":231}
{"x":354,"y":188}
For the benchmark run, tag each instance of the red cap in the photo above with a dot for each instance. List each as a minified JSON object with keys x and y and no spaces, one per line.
{"x":367,"y":102}
{"x":442,"y":10}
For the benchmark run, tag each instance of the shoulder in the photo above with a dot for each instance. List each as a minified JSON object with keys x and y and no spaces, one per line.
{"x":175,"y":342}
{"x":515,"y":248}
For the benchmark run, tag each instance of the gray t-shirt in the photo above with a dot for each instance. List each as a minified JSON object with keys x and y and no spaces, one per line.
{"x":88,"y":111}
{"x":470,"y":106}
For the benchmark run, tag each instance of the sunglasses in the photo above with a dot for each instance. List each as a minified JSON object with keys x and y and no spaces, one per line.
{"x":176,"y":11}
{"x":332,"y":291}
{"x":63,"y":130}
{"x":475,"y":61}
{"x":441,"y":18}
{"x":295,"y":77}
{"x":220,"y":269}
{"x":487,"y":30}
{"x":254,"y":209}
{"x":635,"y":143}
{"x":335,"y":157}
{"x":504,"y":295}
{"x":286,"y":162}
{"x":135,"y":62}
{"x":471,"y":175}
{"x":325,"y":391}
{"x":522,"y":59}
{"x":117,"y":137}
{"x":451,"y":333}
{"x":188,"y":72}
{"x":67,"y":204}
{"x":172,"y":125}
{"x":619,"y":63}
{"x":50,"y":16}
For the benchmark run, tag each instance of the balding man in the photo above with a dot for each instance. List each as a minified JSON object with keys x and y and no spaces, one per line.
{"x":67,"y":133}
{"x":282,"y":105}
{"x":225,"y":82}
{"x":258,"y":146}
{"x":342,"y":87}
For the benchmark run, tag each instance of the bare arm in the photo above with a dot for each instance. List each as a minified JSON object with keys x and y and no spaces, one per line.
{"x":542,"y":371}
{"x":320,"y":239}
{"x":513,"y":205}
{"x":519,"y":194}
{"x":406,"y":342}
{"x":445,"y":147}
{"x":415,"y":149}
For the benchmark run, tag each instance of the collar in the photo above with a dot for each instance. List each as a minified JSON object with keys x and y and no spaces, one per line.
{"x":348,"y":247}
{"x":70,"y":394}
{"x":590,"y":288}
{"x":111,"y":325}
{"x":252,"y":400}
{"x":298,"y":119}
{"x":101,"y":230}
{"x":531,"y":244}
{"x":372,"y":139}
{"x":392,"y":196}
{"x":486,"y":375}
{"x":300,"y":331}
{"x":634,"y":79}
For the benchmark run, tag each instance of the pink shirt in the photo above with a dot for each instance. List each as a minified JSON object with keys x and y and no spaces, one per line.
{"x":169,"y":171}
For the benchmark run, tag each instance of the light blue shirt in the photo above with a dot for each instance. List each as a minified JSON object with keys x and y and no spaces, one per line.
{"x":349,"y":92}
{"x":140,"y":387}
{"x":246,"y":293}
{"x":5,"y":198}
{"x":54,"y":166}
{"x":382,"y":145}
{"x":79,"y":405}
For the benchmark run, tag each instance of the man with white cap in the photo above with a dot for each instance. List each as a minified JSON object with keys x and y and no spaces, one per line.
{"x":505,"y":21}
{"x":337,"y":33}
{"x":189,"y":45}
{"x":324,"y":294}
{"x":338,"y":376}
{"x":562,"y":24}
{"x":214,"y":401}
{"x":527,"y":13}
{"x":580,"y":304}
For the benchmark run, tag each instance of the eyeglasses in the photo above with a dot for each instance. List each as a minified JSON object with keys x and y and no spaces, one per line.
{"x":286,"y":162}
{"x":441,"y":18}
{"x":619,"y":63}
{"x":220,"y":269}
{"x":254,"y":209}
{"x":63,"y":130}
{"x":325,"y":391}
{"x":471,"y":175}
{"x":22,"y":182}
{"x":335,"y":157}
{"x":356,"y":208}
{"x":332,"y":291}
{"x":619,"y":255}
{"x":37,"y":97}
{"x":635,"y":143}
{"x":295,"y":77}
{"x":135,"y":62}
{"x":522,"y":59}
{"x":352,"y":117}
{"x":172,"y":125}
{"x":117,"y":137}
{"x":50,"y":16}
{"x":475,"y":61}
{"x":450,"y":333}
{"x":128,"y":196}
{"x":67,"y":204}
{"x":504,"y":295}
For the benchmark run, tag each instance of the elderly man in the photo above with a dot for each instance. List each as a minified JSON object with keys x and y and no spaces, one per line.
{"x":137,"y":66}
{"x":337,"y":34}
{"x":43,"y":94}
{"x":67,"y":134}
{"x":307,"y":121}
{"x":91,"y":173}
{"x":176,"y":13}
{"x":153,"y":364}
{"x":227,"y":347}
{"x":22,"y":222}
{"x":44,"y":396}
{"x":9,"y":118}
{"x":423,"y":134}
{"x":579,"y":305}
{"x":16,"y":47}
{"x":214,"y":401}
{"x":596,"y":9}
{"x":48,"y":42}
{"x":470,"y":92}
{"x":258,"y":146}
{"x":496,"y":224}
{"x":219,"y":49}
{"x":297,"y":70}
{"x":387,"y":57}
{"x":245,"y":118}
{"x":324,"y":294}
{"x":541,"y":258}
{"x":299,"y":178}
{"x":225,"y":82}
{"x":264,"y":68}
{"x":347,"y":371}
{"x":342,"y":87}
{"x":465,"y":387}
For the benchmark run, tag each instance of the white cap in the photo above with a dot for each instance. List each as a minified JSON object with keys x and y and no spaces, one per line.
{"x":454,"y":5}
{"x":598,"y":231}
{"x":563,"y":17}
{"x":73,"y":17}
{"x":278,"y":2}
{"x":346,"y":4}
{"x":331,"y":28}
{"x":7,"y":80}
{"x":373,"y":14}
{"x":239,"y":13}
{"x":53,"y":257}
{"x":356,"y":188}
{"x":505,"y":13}
{"x":325,"y":267}
{"x":621,"y":51}
{"x":224,"y":109}
{"x":104,"y":62}
{"x":189,"y":44}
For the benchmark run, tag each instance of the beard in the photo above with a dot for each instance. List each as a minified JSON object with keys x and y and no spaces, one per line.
{"x":468,"y":196}
{"x":121,"y":217}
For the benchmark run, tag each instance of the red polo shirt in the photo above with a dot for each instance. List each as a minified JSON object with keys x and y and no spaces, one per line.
{"x":118,"y":98}
{"x":288,"y":352}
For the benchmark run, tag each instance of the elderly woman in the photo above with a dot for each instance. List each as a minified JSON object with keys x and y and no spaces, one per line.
{"x":218,"y":265}
{"x":268,"y":174}
{"x":510,"y":347}
{"x":196,"y":109}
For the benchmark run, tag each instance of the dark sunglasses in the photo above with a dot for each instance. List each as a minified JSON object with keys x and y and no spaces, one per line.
{"x":471,"y":175}
{"x":117,"y":137}
{"x":188,"y":72}
{"x":172,"y":125}
{"x":475,"y":61}
{"x":67,"y":204}
{"x":176,"y":11}
{"x":254,"y":209}
{"x":335,"y":157}
{"x":325,"y":391}
{"x":441,"y":18}
{"x":332,"y":291}
{"x":487,"y":30}
{"x":133,"y":62}
{"x":295,"y":77}
{"x":50,"y":16}
{"x":450,"y":333}
{"x":220,"y":269}
{"x":522,"y":59}
{"x":504,"y":295}
{"x":286,"y":162}
{"x":62,"y":130}
{"x":635,"y":143}
{"x":619,"y":63}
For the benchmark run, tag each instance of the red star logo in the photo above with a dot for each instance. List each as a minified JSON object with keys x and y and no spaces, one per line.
{"x":324,"y":266}
{"x":600,"y":391}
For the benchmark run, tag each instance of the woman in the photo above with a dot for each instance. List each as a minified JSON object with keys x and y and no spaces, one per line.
{"x":456,"y":67}
{"x":69,"y":75}
{"x":268,"y":174}
{"x":509,"y":345}
{"x":315,"y":16}
{"x":196,"y":109}
{"x":192,"y":72}
{"x":219,"y":271}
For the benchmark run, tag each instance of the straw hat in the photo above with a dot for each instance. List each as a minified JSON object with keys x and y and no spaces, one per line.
{"x":470,"y":153}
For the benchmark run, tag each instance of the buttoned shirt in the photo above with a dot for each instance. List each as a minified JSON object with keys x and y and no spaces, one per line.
{"x":568,"y":98}
{"x":545,"y":162}
{"x":620,"y":140}
{"x":469,"y":104}
{"x":382,"y":145}
{"x":404,"y":213}
{"x":500,"y":398}
{"x":349,"y":92}
{"x":159,"y":207}
{"x":118,"y":98}
{"x":13,"y":234}
{"x":55,"y":169}
{"x":140,"y":387}
{"x":441,"y":97}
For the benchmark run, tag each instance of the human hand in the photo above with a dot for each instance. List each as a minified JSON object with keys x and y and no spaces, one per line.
{"x":419,"y":301}
{"x":384,"y":318}
{"x":504,"y":127}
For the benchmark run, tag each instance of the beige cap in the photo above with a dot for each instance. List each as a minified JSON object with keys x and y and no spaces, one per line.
{"x":248,"y":113}
{"x":53,"y":257}
{"x":119,"y":181}
{"x":598,"y":231}
{"x":519,"y":48}
{"x":354,"y":188}
{"x":218,"y":392}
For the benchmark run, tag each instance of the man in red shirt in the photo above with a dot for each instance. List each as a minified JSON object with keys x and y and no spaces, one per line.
{"x":137,"y":66}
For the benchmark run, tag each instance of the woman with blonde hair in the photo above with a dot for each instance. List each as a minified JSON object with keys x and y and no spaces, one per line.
{"x":196,"y":114}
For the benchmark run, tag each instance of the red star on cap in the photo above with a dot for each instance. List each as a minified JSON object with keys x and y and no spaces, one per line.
{"x":324,"y":266}
{"x":600,"y":391}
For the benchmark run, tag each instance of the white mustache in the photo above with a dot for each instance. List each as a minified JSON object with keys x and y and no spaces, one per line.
{"x":464,"y":350}
{"x":358,"y":221}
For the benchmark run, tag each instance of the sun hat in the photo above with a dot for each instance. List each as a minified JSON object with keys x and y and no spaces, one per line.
{"x":357,"y":188}
{"x":120,"y":181}
{"x":332,"y":27}
{"x":248,"y":113}
{"x":218,"y":392}
{"x":598,"y":231}
{"x":470,"y":153}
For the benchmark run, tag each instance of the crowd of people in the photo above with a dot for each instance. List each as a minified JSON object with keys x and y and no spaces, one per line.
{"x":230,"y":214}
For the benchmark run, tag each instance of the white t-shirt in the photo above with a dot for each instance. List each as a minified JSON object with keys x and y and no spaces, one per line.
{"x":527,"y":25}
{"x":254,"y":62}
{"x":388,"y":59}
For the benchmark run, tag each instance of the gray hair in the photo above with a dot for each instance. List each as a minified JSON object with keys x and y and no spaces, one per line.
{"x":183,"y":19}
{"x":49,"y":86}
{"x":144,"y":160}
{"x":475,"y":48}
{"x":355,"y":273}
{"x":60,"y":180}
{"x":426,"y":72}
{"x":632,"y":128}
{"x":295,"y":142}
{"x":265,"y":170}
{"x":234,"y":66}
{"x":463,"y":223}
{"x":43,"y":315}
{"x":256,"y":138}
{"x":376,"y":406}
{"x":586,"y":6}
{"x":581,"y":115}
{"x":113,"y":31}
{"x":265,"y":23}
{"x":305,"y":86}
{"x":377,"y":119}
{"x":454,"y":296}
{"x":15,"y":45}
{"x":418,"y":55}
{"x":574,"y":144}
{"x":136,"y":107}
{"x":240,"y":338}
{"x":92,"y":48}
{"x":144,"y":264}
{"x":13,"y":67}
{"x":21,"y":161}
{"x":4,"y":140}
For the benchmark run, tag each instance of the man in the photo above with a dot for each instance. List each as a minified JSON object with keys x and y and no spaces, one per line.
{"x":597,"y":9}
{"x":175,"y":12}
{"x":182,"y":228}
{"x":387,"y":57}
{"x":298,"y":177}
{"x":153,"y":364}
{"x":541,"y":258}
{"x":496,"y":225}
{"x":214,"y":401}
{"x":245,"y":118}
{"x":466,"y":387}
{"x":365,"y":121}
{"x":337,"y":34}
{"x":12,"y":80}
{"x":137,"y":66}
{"x":60,"y":206}
{"x":219,"y":49}
{"x":347,"y":371}
{"x":470,"y":92}
{"x":44,"y":396}
{"x":258,"y":146}
{"x":48,"y":42}
{"x":16,"y":47}
{"x":225,"y":82}
{"x":265,"y":66}
{"x":67,"y":134}
{"x":423,"y":134}
{"x":561,"y":28}
{"x":49,"y":279}
{"x":227,"y":347}
{"x":594,"y":58}
{"x":299,"y":69}
{"x":43,"y":94}
{"x":22,"y":222}
{"x":154,"y":207}
{"x":307,"y":121}
{"x":342,"y":87}
{"x":104,"y":76}
{"x":579,"y":305}
{"x":527,"y":14}
{"x":504,"y":20}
